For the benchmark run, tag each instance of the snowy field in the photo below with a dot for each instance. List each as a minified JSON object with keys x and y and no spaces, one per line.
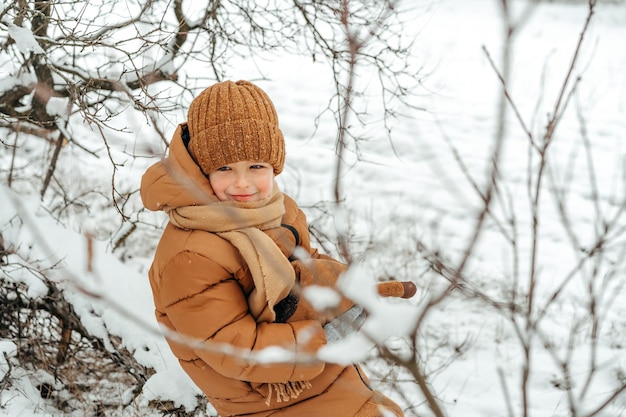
{"x":417,"y":186}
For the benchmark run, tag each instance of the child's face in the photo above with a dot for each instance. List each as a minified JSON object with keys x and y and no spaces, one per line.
{"x":245,"y":181}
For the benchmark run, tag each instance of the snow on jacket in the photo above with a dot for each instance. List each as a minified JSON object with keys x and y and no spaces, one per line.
{"x":200,"y":286}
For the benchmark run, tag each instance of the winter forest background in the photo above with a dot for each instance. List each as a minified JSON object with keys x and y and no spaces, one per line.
{"x":474,"y":147}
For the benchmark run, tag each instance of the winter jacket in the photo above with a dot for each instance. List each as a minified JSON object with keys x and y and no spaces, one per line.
{"x":200,"y":285}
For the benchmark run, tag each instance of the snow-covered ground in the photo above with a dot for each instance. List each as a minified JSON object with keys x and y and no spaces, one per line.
{"x":411,"y":188}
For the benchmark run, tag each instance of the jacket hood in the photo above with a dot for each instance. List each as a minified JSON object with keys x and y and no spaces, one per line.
{"x":176,"y":180}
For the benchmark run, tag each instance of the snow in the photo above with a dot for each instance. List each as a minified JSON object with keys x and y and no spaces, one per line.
{"x":172,"y":384}
{"x":57,"y":106}
{"x":121,"y":302}
{"x":415,"y":185}
{"x":321,"y":298}
{"x":24,"y":39}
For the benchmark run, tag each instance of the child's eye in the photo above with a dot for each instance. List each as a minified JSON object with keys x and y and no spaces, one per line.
{"x":223,"y":169}
{"x":257,"y":166}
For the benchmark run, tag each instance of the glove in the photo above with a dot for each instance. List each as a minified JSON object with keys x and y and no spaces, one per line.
{"x":345,"y":324}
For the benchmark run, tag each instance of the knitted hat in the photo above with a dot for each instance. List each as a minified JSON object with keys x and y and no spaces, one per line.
{"x":231,"y":122}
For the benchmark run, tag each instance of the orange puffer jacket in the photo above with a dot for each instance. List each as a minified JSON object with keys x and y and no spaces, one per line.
{"x":200,"y":285}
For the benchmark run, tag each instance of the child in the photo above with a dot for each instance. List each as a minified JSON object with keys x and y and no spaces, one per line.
{"x":225,"y":271}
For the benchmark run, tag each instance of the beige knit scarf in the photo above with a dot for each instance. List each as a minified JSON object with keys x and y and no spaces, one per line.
{"x":242,"y":224}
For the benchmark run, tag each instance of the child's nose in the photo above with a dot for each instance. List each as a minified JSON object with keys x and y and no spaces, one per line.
{"x":241,"y":180}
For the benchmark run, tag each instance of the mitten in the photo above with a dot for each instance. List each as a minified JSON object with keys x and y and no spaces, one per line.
{"x":348,"y":322}
{"x":323,"y":272}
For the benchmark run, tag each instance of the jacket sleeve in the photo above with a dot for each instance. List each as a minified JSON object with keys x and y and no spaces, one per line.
{"x":204,"y":302}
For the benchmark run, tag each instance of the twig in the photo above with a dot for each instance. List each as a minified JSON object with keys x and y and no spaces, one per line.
{"x":53,"y":163}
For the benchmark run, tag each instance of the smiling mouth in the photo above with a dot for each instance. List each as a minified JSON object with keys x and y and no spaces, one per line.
{"x":242,"y":197}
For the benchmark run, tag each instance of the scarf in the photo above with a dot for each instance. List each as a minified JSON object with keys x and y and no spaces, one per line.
{"x":242,"y":224}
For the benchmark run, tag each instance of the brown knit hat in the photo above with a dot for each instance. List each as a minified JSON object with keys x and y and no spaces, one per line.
{"x":231,"y":122}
